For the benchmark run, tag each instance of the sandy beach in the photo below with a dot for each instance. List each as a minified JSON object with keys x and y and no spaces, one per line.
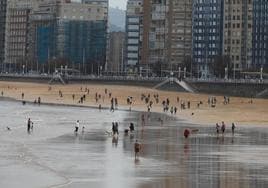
{"x":240,"y":110}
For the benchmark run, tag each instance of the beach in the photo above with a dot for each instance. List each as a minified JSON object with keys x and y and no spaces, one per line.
{"x":53,"y":155}
{"x":241,"y":111}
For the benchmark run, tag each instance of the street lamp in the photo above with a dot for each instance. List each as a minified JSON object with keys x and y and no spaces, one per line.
{"x":226,"y":73}
{"x":261,"y":75}
{"x":100,"y":70}
{"x":23,"y":67}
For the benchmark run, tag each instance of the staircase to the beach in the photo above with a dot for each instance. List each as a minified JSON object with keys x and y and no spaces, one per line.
{"x":182,"y":84}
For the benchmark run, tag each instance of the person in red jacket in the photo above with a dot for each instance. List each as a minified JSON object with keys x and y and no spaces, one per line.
{"x":186,"y":133}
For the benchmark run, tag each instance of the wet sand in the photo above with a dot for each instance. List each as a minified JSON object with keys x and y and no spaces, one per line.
{"x":53,"y":156}
{"x":239,"y":111}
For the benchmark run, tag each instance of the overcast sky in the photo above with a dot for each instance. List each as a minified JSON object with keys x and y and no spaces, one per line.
{"x":118,"y":3}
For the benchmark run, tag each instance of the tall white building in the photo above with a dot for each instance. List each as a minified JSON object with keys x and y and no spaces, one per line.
{"x":133,"y":34}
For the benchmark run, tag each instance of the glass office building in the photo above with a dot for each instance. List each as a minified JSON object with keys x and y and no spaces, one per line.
{"x":260,"y":34}
{"x":207,"y":34}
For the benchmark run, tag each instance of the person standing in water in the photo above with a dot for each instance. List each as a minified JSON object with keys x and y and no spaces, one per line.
{"x":223,"y":128}
{"x":218,"y":128}
{"x":233,"y":128}
{"x":137,"y":148}
{"x":131,"y":127}
{"x":29,"y":125}
{"x":76,"y":126}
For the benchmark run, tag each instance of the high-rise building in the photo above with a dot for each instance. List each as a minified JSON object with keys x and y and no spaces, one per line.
{"x":207,"y":34}
{"x":155,"y":34}
{"x":180,"y":31}
{"x":237,"y":35}
{"x":45,"y":30}
{"x":134,"y":28}
{"x":163,"y":34}
{"x":3,"y":6}
{"x":260,"y":34}
{"x":17,"y":38}
{"x":116,"y":52}
{"x":82,"y":35}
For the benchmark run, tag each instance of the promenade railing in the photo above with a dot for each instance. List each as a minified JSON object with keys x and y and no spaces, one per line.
{"x":133,"y":78}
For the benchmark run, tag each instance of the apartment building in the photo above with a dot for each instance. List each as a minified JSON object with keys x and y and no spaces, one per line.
{"x":3,"y":6}
{"x":237,"y":35}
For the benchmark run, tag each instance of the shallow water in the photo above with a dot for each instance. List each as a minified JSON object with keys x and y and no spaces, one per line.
{"x":53,"y":156}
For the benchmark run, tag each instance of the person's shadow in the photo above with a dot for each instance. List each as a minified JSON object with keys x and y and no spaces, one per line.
{"x":115,"y":141}
{"x":137,"y":161}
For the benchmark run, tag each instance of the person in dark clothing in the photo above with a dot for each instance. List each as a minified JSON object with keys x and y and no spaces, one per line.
{"x":116,"y":128}
{"x":233,"y":128}
{"x":113,"y":128}
{"x":131,"y":127}
{"x":29,"y":123}
{"x":223,"y":128}
{"x":39,"y":100}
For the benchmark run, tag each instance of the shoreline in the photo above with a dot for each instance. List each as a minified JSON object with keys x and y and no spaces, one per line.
{"x":240,"y":111}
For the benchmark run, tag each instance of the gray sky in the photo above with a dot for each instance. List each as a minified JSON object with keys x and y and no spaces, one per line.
{"x":118,"y":3}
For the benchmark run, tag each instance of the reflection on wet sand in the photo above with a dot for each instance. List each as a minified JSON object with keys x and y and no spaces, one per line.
{"x":205,"y":159}
{"x":97,"y":159}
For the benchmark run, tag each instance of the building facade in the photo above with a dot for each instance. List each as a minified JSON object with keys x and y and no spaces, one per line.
{"x":155,"y":35}
{"x":180,"y":21}
{"x":237,"y":35}
{"x":260,"y":34}
{"x":3,"y":6}
{"x":17,"y":38}
{"x":207,"y":35}
{"x":115,"y":64}
{"x":133,"y":35}
{"x":82,"y":35}
{"x":161,"y":31}
{"x":40,"y":32}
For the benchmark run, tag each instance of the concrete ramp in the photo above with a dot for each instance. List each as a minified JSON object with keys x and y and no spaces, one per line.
{"x":263,"y":93}
{"x":185,"y":86}
{"x":182,"y":84}
{"x":161,"y":83}
{"x":57,"y":77}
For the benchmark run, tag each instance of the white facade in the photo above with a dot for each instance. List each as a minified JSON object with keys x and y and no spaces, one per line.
{"x":133,"y":34}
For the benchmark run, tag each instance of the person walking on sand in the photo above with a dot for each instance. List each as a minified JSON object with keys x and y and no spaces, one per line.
{"x":76,"y":126}
{"x":233,"y":128}
{"x":137,"y":148}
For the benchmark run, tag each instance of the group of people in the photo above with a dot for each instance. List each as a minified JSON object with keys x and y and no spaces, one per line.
{"x":77,"y":125}
{"x":222,"y":128}
{"x":115,"y":130}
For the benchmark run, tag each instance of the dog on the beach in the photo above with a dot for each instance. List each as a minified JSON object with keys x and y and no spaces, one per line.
{"x":109,"y":133}
{"x":8,"y":128}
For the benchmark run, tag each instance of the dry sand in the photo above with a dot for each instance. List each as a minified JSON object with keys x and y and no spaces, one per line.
{"x":240,"y":110}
